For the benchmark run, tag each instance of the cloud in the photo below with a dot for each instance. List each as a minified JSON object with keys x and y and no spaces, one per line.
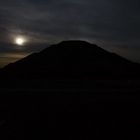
{"x":103,"y":19}
{"x":99,"y":21}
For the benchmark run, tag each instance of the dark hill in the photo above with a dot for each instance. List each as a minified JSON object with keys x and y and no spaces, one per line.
{"x":53,"y":94}
{"x":71,"y":60}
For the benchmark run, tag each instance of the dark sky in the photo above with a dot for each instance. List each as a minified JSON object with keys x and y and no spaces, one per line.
{"x":111,"y":24}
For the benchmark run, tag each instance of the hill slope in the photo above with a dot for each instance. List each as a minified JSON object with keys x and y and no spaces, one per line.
{"x":71,"y":60}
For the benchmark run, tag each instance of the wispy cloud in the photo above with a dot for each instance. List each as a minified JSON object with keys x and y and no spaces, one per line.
{"x":99,"y":21}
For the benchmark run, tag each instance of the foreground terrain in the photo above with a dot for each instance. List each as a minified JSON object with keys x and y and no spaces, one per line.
{"x":70,"y":113}
{"x":72,"y":90}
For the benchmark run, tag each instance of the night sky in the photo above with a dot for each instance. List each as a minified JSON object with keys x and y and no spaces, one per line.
{"x":112,"y":24}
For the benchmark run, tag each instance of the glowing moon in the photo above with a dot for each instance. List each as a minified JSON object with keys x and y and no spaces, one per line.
{"x":20,"y":41}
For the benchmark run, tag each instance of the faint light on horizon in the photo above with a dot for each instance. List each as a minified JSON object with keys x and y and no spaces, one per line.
{"x":7,"y":58}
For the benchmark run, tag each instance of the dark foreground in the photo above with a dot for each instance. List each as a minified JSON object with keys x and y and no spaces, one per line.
{"x":70,"y":114}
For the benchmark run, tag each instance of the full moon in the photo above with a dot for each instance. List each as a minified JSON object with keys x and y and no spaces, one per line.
{"x":20,"y":41}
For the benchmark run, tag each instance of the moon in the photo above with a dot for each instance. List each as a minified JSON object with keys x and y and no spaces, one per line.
{"x":20,"y":41}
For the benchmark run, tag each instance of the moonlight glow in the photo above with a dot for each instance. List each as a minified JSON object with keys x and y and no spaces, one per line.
{"x":20,"y":41}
